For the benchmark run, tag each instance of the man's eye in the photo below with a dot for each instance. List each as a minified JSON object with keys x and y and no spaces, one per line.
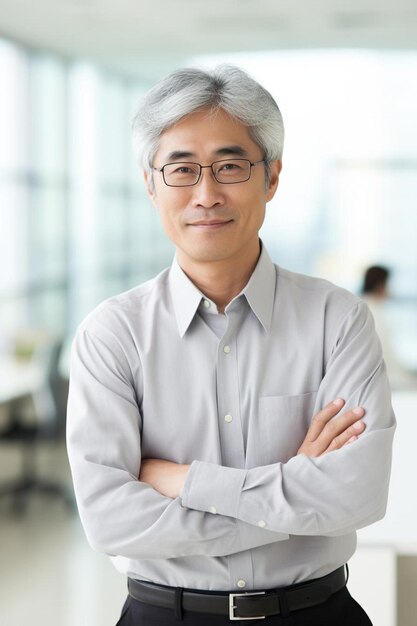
{"x":183,"y":170}
{"x":229,"y":167}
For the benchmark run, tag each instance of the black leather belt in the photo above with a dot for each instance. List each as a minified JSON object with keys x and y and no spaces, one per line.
{"x":241,"y":606}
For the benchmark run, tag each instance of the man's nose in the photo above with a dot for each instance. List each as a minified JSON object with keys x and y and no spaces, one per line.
{"x":208,"y":192}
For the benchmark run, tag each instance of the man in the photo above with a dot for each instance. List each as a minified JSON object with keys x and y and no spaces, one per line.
{"x":375,"y":292}
{"x":197,"y":465}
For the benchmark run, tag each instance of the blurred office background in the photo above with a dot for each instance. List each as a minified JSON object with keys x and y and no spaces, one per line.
{"x":76,"y":227}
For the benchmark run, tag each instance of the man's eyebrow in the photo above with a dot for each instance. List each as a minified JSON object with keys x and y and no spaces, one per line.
{"x":180,"y":155}
{"x":234,"y":150}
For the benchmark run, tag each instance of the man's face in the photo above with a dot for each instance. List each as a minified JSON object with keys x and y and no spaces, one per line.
{"x":212,"y":222}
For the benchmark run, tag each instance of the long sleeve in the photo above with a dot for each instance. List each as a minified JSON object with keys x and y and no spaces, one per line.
{"x":331,"y":495}
{"x":122,"y":516}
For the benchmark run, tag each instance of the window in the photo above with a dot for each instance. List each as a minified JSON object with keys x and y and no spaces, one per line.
{"x":76,"y":225}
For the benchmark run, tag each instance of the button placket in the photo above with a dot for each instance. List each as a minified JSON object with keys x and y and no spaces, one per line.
{"x":230,"y":428}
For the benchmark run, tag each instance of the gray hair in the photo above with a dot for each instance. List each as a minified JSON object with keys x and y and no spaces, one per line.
{"x":188,"y":90}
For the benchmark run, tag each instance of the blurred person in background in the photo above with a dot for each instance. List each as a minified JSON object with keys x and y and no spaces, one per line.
{"x":375,"y":292}
{"x":229,"y":421}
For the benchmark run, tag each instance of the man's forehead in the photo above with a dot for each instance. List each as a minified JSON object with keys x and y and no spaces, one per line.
{"x":218,"y":133}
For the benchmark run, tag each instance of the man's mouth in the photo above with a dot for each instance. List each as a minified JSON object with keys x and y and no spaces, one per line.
{"x":210,"y":223}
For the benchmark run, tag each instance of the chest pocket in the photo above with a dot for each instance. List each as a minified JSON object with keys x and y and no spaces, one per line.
{"x":282,"y":424}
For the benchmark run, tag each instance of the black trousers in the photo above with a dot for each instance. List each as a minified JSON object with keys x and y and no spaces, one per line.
{"x":340,"y":610}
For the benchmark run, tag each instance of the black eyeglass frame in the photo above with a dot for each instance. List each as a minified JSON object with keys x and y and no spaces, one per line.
{"x":236,"y":182}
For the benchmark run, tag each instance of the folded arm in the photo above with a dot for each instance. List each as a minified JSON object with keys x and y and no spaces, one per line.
{"x":326,"y":434}
{"x":121,"y":515}
{"x":331,"y":494}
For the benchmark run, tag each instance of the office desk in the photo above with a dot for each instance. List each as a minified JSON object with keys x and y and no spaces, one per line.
{"x":27,"y":425}
{"x":18,"y":378}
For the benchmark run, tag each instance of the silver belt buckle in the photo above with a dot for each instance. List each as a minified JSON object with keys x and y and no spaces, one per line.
{"x":232,"y":606}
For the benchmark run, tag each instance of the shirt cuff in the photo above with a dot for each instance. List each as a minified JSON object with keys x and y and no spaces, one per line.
{"x":249,"y":533}
{"x":213,"y":488}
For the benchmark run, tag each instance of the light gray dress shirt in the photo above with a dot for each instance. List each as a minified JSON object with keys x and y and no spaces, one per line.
{"x":158,"y":372}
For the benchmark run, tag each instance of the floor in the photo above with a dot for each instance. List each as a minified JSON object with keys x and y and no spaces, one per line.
{"x":49,"y":574}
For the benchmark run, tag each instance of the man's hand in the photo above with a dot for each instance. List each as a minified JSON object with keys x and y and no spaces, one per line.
{"x":164,"y":476}
{"x":327,"y":432}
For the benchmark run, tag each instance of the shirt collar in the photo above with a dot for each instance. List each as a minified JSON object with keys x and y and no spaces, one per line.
{"x":260,"y":290}
{"x":185,"y":296}
{"x":259,"y":293}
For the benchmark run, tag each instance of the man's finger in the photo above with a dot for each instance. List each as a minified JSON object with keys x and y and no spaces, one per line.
{"x":347,"y":436}
{"x":333,"y":431}
{"x":321,"y":418}
{"x":339,"y":424}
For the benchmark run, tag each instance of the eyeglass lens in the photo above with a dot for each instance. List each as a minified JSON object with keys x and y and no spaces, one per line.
{"x":225,"y":171}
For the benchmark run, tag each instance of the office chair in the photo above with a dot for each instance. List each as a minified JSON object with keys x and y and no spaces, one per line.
{"x":48,"y":425}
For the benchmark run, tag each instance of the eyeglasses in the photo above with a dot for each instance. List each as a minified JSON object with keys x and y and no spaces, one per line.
{"x":227,"y":172}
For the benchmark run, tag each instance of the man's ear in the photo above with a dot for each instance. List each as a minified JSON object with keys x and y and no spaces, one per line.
{"x":150,"y":188}
{"x":275,"y":168}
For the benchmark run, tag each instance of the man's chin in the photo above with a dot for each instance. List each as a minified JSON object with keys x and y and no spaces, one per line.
{"x":203,"y":254}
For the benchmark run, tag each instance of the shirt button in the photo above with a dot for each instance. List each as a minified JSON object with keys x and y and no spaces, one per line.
{"x":228,"y":418}
{"x":241,"y":583}
{"x":213,"y":510}
{"x":226,"y":349}
{"x":206,"y":303}
{"x":261,"y":523}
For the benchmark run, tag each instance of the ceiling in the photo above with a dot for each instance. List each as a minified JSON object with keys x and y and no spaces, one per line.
{"x":142,"y":38}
